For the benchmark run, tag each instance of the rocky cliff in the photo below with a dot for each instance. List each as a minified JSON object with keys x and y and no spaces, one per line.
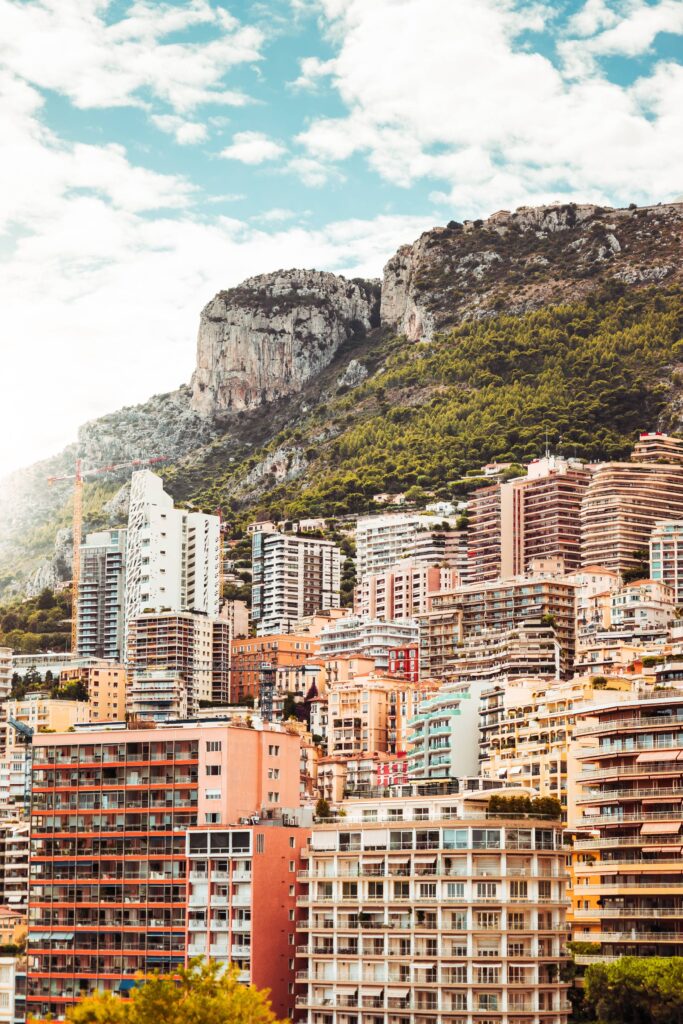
{"x":517,"y":262}
{"x":299,"y":340}
{"x":263,"y":340}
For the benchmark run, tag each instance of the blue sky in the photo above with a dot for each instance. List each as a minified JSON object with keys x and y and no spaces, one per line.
{"x":154,"y":152}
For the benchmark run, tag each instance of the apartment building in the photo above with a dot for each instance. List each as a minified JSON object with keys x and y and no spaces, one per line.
{"x":157,"y":695}
{"x":372,"y":638}
{"x":440,"y":633}
{"x":256,"y":661}
{"x":405,"y":662}
{"x":627,"y":816}
{"x":14,"y":855}
{"x":625,"y":500}
{"x":526,"y":726}
{"x":102,"y":596}
{"x":172,"y":555}
{"x":293,"y":575}
{"x":242,"y":896}
{"x":178,"y":644}
{"x":367,"y":714}
{"x":530,"y":517}
{"x":104,"y":683}
{"x":108,"y":863}
{"x":528,"y":649}
{"x":443,"y":733}
{"x":41,"y":713}
{"x":381,"y":541}
{"x":497,"y":606}
{"x":666,"y":555}
{"x":402,"y":591}
{"x":6,"y":671}
{"x":644,"y":604}
{"x":12,"y":990}
{"x":424,"y":909}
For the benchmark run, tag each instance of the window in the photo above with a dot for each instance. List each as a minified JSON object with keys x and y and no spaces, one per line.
{"x":273,"y":796}
{"x":292,"y":866}
{"x":544,"y":890}
{"x":212,"y":794}
{"x":516,"y":922}
{"x":292,"y":842}
{"x":401,"y":890}
{"x":376,"y":890}
{"x":515,"y":975}
{"x":486,"y":838}
{"x":488,"y":919}
{"x":427,"y":890}
{"x":274,"y":750}
{"x":459,"y":999}
{"x":455,"y":890}
{"x":455,"y":839}
{"x":260,"y":843}
{"x":213,"y":769}
{"x":487,"y":890}
{"x":273,"y":773}
{"x":349,"y":890}
{"x":213,"y":746}
{"x":212,"y":818}
{"x":459,"y":976}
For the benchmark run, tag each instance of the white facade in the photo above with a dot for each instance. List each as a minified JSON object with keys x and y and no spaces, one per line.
{"x":6,"y":669}
{"x":292,"y":576}
{"x":10,"y":1010}
{"x":370,"y":637}
{"x":383,"y":540}
{"x":173,"y":555}
{"x":666,"y":555}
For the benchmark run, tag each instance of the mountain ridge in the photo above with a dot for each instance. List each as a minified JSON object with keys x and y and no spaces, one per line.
{"x":325,"y":348}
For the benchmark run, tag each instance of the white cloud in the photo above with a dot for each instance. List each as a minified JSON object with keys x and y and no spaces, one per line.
{"x":313,"y":71}
{"x":252,"y":148}
{"x":312,"y":172}
{"x":186,"y":133}
{"x":278,"y":215}
{"x":105,"y":268}
{"x":441,"y":89}
{"x":73,"y":47}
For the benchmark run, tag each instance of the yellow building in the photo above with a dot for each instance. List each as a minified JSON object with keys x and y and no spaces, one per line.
{"x":526,"y":726}
{"x":105,"y":684}
{"x":43,"y":714}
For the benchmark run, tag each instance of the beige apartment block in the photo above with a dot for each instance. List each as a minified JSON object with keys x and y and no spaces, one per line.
{"x":625,"y":500}
{"x":627,"y":818}
{"x":425,"y":909}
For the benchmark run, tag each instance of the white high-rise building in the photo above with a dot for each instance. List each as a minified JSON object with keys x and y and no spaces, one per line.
{"x":173,"y":555}
{"x":293,"y":576}
{"x":381,"y":541}
{"x":6,"y":670}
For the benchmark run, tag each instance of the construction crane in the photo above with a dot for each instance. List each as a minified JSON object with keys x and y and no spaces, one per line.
{"x":78,"y":477}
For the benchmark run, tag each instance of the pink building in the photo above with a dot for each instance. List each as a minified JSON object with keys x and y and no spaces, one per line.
{"x":403,"y":590}
{"x":108,"y":863}
{"x":405,"y":662}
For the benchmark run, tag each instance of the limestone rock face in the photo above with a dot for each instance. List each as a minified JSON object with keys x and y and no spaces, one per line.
{"x":521,"y":261}
{"x":264,"y":339}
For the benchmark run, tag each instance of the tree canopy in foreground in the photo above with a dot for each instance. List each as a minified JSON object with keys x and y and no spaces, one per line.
{"x":635,"y":990}
{"x":204,"y":993}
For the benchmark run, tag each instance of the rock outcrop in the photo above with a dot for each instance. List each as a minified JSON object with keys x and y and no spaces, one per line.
{"x":264,"y":339}
{"x":517,"y":262}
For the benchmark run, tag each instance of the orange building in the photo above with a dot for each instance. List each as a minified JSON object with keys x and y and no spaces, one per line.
{"x":105,"y":685}
{"x":254,"y":659}
{"x":108,"y":862}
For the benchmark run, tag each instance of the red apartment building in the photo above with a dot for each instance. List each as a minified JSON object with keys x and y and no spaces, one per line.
{"x":112,"y":808}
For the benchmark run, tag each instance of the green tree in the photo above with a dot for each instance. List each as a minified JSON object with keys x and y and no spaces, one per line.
{"x":634,"y":990}
{"x":203,"y":993}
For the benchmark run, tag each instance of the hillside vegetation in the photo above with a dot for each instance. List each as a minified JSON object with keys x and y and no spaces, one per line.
{"x":589,"y":375}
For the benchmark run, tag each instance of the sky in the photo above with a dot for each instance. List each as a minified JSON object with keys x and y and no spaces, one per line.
{"x":152,"y":153}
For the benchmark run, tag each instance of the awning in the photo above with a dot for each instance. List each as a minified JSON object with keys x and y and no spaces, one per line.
{"x":426,"y":860}
{"x":126,"y":984}
{"x":657,"y":755}
{"x":373,"y":860}
{"x":398,"y":993}
{"x":673,"y":848}
{"x":655,"y":828}
{"x":347,"y":990}
{"x":15,"y":897}
{"x":423,"y":967}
